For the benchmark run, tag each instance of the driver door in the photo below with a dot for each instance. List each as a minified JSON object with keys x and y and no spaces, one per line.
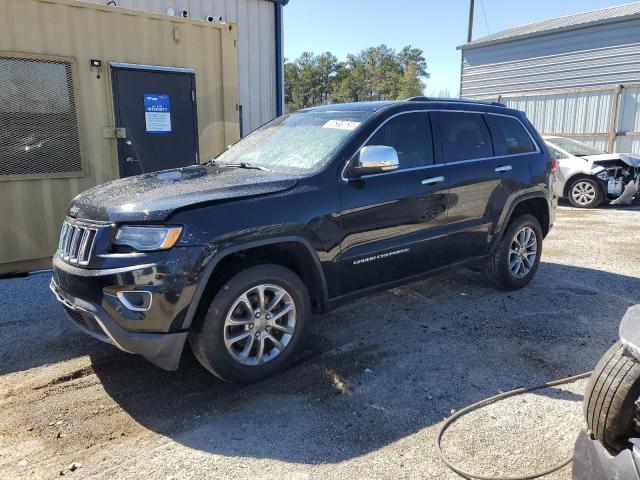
{"x":392,"y":223}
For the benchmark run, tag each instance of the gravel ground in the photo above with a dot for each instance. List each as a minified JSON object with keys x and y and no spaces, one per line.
{"x":367,"y":396}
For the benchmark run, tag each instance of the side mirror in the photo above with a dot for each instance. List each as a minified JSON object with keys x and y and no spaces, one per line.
{"x":374,"y":159}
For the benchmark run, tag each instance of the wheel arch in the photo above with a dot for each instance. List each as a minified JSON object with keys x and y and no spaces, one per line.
{"x":577,"y":176}
{"x":291,"y":251}
{"x":535,"y":203}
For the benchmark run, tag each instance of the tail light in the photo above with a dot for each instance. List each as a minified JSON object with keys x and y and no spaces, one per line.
{"x":554,"y":165}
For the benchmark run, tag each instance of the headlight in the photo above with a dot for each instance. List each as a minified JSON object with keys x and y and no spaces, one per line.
{"x":148,"y":238}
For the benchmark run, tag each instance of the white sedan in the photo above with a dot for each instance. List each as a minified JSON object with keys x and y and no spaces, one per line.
{"x":588,"y":176}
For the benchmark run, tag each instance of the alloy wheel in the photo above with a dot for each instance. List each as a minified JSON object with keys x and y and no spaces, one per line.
{"x":583,"y":193}
{"x":523,"y":252}
{"x":260,"y":324}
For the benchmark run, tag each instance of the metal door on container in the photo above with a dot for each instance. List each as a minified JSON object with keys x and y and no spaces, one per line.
{"x":156,"y":117}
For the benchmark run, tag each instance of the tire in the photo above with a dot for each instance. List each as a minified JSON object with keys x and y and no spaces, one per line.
{"x":226,"y":315}
{"x":585,"y":192}
{"x":498,"y":268}
{"x":610,"y":396}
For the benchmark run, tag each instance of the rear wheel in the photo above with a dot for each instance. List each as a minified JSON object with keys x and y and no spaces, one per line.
{"x":253,"y":325}
{"x":585,"y":193}
{"x":515,"y":259}
{"x":610,"y":398}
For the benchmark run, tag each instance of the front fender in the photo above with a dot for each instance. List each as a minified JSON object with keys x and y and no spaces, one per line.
{"x":566,"y":177}
{"x":219,"y":255}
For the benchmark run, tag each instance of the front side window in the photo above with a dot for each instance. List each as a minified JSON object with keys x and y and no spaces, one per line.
{"x":299,"y":143}
{"x":464,"y":136}
{"x":410,"y":135}
{"x":509,"y":136}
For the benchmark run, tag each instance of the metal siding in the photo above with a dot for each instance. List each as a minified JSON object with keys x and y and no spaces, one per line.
{"x":33,"y":209}
{"x":616,"y":13}
{"x":629,"y":117}
{"x":256,"y":47}
{"x":566,"y":81}
{"x":582,"y":112}
{"x":598,"y":55}
{"x":629,"y":120}
{"x":628,"y":145}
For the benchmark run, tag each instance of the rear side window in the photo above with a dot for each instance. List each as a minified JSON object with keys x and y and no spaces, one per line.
{"x":410,"y":135}
{"x":464,"y":136}
{"x":509,"y":136}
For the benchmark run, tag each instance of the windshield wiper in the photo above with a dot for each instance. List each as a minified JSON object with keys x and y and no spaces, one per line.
{"x":245,"y":165}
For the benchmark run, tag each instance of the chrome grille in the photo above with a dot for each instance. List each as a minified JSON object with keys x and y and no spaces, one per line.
{"x":76,"y":243}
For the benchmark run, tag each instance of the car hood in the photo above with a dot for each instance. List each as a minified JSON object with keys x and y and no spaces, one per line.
{"x":631,"y":160}
{"x":155,"y":196}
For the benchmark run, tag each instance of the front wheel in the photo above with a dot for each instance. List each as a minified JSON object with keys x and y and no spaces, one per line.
{"x":585,"y":193}
{"x":253,"y":325}
{"x":515,"y":259}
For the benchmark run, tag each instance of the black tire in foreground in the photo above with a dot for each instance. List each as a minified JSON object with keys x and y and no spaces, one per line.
{"x":585,"y":192}
{"x":516,"y":257}
{"x":609,"y":399}
{"x":253,"y":325}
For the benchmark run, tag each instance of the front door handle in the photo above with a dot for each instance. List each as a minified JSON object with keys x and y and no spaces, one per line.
{"x":432,"y":180}
{"x":504,"y":168}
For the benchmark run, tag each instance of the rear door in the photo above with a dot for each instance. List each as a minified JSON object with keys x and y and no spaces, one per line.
{"x":156,"y":108}
{"x":392,"y":222}
{"x":486,"y":155}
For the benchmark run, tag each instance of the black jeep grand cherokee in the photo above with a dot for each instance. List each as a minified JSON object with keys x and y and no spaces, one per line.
{"x":313,"y":209}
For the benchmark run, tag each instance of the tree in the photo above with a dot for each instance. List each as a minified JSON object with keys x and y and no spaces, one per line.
{"x":376,"y":73}
{"x":410,"y":84}
{"x":326,"y":66}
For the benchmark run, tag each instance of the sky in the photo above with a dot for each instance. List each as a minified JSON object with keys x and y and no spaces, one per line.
{"x":437,"y":27}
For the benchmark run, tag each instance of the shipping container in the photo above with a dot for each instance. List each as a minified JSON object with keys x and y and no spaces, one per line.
{"x":90,"y":93}
{"x":260,"y":58}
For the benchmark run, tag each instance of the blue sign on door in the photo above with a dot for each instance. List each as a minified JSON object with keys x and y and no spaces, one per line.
{"x":157,"y":113}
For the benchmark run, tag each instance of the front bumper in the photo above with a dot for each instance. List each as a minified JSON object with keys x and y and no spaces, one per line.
{"x":591,"y":461}
{"x":162,"y":349}
{"x":93,"y":300}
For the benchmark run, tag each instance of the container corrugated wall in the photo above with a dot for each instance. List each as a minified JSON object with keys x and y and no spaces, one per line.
{"x":256,"y":47}
{"x":33,"y":210}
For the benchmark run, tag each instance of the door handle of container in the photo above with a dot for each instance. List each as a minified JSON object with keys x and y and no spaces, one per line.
{"x":504,"y":168}
{"x":432,"y":180}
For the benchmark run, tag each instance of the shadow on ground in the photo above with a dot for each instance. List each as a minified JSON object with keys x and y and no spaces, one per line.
{"x":383,"y":368}
{"x":34,"y":330}
{"x":634,"y":206}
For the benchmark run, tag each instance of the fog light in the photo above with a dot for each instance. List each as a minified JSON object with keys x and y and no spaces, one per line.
{"x":136,"y":300}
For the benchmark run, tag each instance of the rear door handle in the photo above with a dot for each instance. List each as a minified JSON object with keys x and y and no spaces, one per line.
{"x":504,"y":168}
{"x":432,"y":180}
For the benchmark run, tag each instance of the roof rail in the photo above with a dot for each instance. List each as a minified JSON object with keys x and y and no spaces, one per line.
{"x":454,"y":100}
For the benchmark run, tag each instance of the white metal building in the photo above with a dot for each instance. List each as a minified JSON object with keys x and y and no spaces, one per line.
{"x":576,"y":76}
{"x":260,"y":53}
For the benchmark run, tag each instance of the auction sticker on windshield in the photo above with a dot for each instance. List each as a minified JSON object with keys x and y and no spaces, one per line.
{"x":342,"y":124}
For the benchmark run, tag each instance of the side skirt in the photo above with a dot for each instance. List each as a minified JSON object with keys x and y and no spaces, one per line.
{"x":334,"y":303}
